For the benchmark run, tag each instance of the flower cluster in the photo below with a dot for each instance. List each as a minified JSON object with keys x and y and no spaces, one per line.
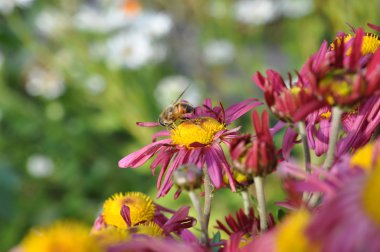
{"x":332,"y":108}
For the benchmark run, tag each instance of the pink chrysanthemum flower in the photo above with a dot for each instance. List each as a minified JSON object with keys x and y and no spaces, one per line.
{"x":348,"y":218}
{"x":284,"y":100}
{"x":255,"y":154}
{"x":358,"y":125}
{"x":197,"y":141}
{"x":350,"y":221}
{"x":344,"y":73}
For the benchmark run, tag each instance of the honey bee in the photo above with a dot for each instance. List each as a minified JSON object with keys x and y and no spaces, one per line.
{"x":175,"y":112}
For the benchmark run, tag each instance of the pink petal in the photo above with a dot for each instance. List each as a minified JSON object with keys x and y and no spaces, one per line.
{"x":288,"y":142}
{"x":179,"y":159}
{"x":147,"y":124}
{"x":213,"y":167}
{"x":159,"y":134}
{"x":239,"y":109}
{"x":139,"y":157}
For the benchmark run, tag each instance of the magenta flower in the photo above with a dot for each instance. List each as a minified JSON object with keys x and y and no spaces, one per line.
{"x":196,"y":141}
{"x":359,"y":125}
{"x":350,"y":221}
{"x":344,"y":73}
{"x":261,"y":156}
{"x":284,"y":101}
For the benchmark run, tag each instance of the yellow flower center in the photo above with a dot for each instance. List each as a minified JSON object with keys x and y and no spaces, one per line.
{"x":150,"y":229}
{"x":338,"y":84}
{"x":110,"y":235}
{"x":291,"y":234}
{"x":295,"y":90}
{"x":369,"y":45}
{"x":326,"y":115}
{"x":201,"y":130}
{"x":371,"y":192}
{"x":363,"y":158}
{"x":60,"y":237}
{"x":141,"y":208}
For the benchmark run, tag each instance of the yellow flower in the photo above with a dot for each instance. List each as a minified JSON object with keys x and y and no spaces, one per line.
{"x":148,"y":228}
{"x":364,"y":158}
{"x":60,"y":237}
{"x":141,"y":209}
{"x":371,"y":192}
{"x":201,"y":130}
{"x":369,"y":45}
{"x":110,"y":235}
{"x":291,"y":235}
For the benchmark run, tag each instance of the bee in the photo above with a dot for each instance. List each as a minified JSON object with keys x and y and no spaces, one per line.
{"x":175,"y":112}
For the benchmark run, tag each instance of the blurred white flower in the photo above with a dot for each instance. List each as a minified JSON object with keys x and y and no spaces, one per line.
{"x":43,"y":82}
{"x":133,"y":50}
{"x":51,"y":22}
{"x":106,"y":16}
{"x":218,"y":52}
{"x":257,"y":12}
{"x":95,"y":84}
{"x":169,"y":88}
{"x":7,"y":6}
{"x":296,"y":8}
{"x":99,"y":20}
{"x":156,"y":24}
{"x":39,"y":166}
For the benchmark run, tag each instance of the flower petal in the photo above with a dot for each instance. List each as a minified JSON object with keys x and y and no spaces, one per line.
{"x":139,"y":157}
{"x":239,"y":109}
{"x":147,"y":124}
{"x":288,"y":142}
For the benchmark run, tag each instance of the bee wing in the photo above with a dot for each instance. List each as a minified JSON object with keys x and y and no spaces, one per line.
{"x":179,"y":97}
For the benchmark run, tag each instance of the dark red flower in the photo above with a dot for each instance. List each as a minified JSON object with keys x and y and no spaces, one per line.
{"x":261,"y":157}
{"x":283,"y":100}
{"x":248,"y":225}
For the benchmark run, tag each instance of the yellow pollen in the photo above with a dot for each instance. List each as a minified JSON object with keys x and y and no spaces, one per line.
{"x":369,"y":45}
{"x":370,"y":195}
{"x":326,"y":115}
{"x":60,"y":237}
{"x":291,"y":236}
{"x":110,"y":235}
{"x":150,"y":229}
{"x":201,"y":130}
{"x":363,"y":158}
{"x":141,"y":209}
{"x":337,"y":84}
{"x":295,"y":90}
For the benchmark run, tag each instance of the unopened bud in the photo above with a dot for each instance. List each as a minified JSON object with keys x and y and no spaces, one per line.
{"x":188,"y":177}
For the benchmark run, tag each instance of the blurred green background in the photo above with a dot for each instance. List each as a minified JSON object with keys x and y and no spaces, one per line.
{"x":76,"y":75}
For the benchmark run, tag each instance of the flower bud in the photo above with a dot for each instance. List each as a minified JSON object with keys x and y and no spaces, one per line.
{"x":188,"y":177}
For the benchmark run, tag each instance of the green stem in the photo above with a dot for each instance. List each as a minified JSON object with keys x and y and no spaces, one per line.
{"x":198,"y":209}
{"x":305,"y":144}
{"x":246,"y":201}
{"x":207,"y":202}
{"x":330,"y":156}
{"x":306,"y":154}
{"x":261,"y":202}
{"x":333,"y":138}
